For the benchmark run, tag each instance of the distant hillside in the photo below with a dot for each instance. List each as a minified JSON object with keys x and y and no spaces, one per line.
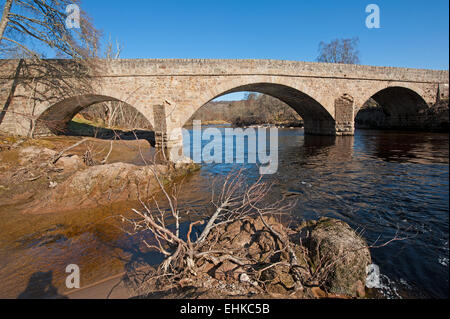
{"x":257,"y":109}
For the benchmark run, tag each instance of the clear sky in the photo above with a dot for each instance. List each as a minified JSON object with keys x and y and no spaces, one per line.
{"x":412,"y":34}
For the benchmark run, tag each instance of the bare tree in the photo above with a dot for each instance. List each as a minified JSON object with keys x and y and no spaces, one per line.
{"x":29,"y":30}
{"x":339,"y":51}
{"x":113,"y":108}
{"x":26,"y":24}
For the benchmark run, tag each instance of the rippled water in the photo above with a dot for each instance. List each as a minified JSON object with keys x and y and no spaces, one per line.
{"x":382,"y":182}
{"x":379,"y":182}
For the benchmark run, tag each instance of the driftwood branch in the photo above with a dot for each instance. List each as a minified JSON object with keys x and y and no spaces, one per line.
{"x":60,"y":154}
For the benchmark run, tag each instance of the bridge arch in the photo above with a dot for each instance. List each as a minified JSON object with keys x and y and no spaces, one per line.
{"x":55,"y":118}
{"x":394,"y":107}
{"x":317,"y":118}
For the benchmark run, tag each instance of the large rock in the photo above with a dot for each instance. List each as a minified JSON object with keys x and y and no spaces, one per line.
{"x":333,"y":244}
{"x":70,"y":163}
{"x":33,"y":154}
{"x":98,"y":185}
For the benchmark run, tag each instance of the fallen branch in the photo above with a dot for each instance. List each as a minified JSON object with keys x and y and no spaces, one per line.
{"x":109,"y":153}
{"x":60,"y":154}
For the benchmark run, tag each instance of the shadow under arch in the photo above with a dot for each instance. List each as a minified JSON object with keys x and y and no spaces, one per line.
{"x":54,"y":120}
{"x":317,"y":120}
{"x":394,"y":107}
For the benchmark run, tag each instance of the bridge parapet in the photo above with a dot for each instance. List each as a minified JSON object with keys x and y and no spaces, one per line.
{"x":200,"y":67}
{"x":212,"y":67}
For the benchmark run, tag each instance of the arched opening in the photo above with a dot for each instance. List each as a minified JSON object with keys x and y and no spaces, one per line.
{"x":317,"y":120}
{"x":392,"y":108}
{"x":55,"y":119}
{"x":245,"y":109}
{"x":94,"y":115}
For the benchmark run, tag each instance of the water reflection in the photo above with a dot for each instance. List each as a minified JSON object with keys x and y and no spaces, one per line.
{"x":417,"y":147}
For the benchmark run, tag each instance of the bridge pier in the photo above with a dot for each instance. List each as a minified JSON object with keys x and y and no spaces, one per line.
{"x":319,"y":127}
{"x":344,"y":116}
{"x":169,"y":141}
{"x":160,"y":126}
{"x":342,"y":124}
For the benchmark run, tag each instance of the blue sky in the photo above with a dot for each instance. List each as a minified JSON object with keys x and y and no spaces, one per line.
{"x":412,"y":34}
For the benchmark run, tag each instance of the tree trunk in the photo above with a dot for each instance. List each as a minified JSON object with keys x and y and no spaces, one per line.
{"x":5,"y":18}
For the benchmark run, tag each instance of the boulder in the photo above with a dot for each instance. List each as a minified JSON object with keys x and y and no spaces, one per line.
{"x":335,"y":244}
{"x":99,"y":185}
{"x":33,"y":153}
{"x":70,"y":163}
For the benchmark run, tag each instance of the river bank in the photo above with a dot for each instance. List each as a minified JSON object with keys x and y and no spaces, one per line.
{"x":43,"y":187}
{"x":50,"y":175}
{"x":57,"y":212}
{"x":345,"y":257}
{"x":379,"y":182}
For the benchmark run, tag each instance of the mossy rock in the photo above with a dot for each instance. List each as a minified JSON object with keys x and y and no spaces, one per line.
{"x":333,"y":242}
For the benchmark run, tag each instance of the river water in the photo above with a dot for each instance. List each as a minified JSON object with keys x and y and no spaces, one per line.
{"x":384,"y":183}
{"x":381,"y":182}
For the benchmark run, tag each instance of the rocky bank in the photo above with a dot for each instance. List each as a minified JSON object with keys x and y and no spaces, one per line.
{"x":332,"y":262}
{"x":34,"y":182}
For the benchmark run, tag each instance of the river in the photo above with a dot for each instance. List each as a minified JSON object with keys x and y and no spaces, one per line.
{"x":381,"y":182}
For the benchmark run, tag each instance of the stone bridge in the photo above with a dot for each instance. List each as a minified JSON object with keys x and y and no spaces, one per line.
{"x":169,"y":92}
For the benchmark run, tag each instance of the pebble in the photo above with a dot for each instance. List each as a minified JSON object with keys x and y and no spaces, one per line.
{"x":244,"y":278}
